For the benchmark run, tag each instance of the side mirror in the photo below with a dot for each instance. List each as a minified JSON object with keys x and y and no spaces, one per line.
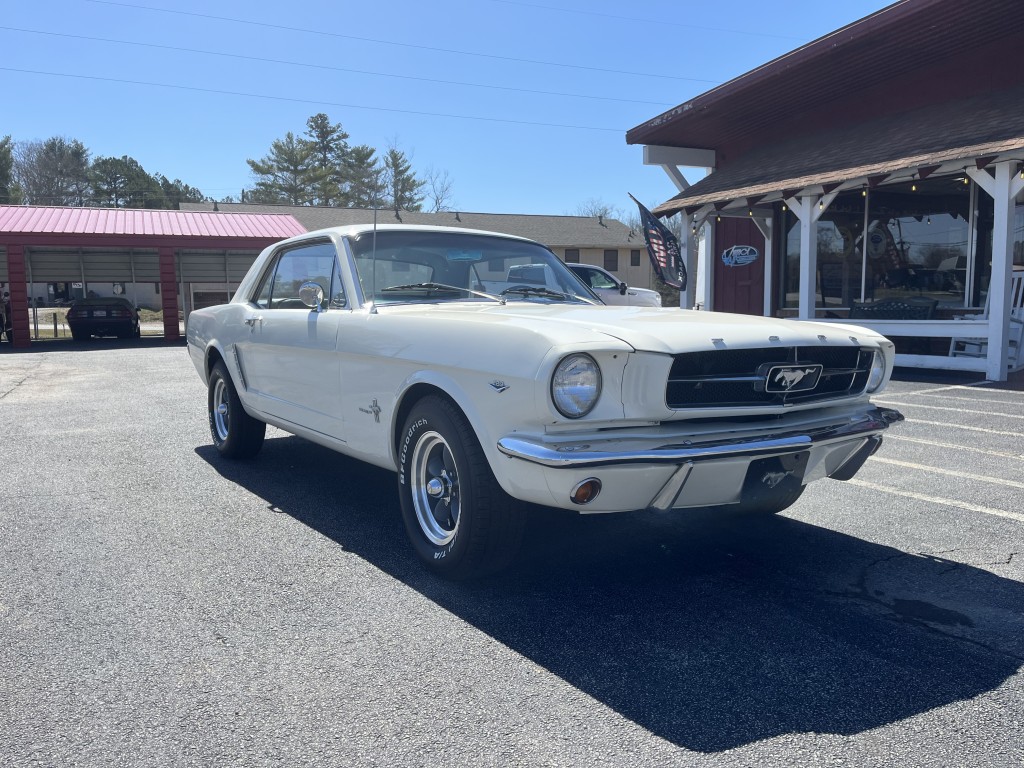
{"x":312,"y":295}
{"x":622,"y":289}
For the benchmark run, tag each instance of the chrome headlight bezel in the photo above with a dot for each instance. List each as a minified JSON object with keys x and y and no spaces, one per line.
{"x":876,"y":373}
{"x":576,"y":385}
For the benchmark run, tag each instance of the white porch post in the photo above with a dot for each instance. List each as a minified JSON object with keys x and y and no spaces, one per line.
{"x":1003,"y":188}
{"x":687,"y":298}
{"x":706,"y":268}
{"x":808,"y":210}
{"x":803,"y":209}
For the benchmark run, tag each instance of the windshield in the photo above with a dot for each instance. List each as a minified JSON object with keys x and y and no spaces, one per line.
{"x":408,"y":266}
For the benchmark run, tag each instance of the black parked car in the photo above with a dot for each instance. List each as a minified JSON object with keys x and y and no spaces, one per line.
{"x":112,"y":316}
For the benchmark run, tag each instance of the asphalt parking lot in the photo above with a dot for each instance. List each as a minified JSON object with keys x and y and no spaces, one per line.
{"x":160,"y":606}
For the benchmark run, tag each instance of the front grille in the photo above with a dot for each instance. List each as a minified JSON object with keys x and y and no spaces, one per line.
{"x":729,"y":378}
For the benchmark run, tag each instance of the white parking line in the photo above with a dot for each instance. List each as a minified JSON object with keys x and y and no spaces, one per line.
{"x":927,"y":391}
{"x":946,"y":408}
{"x":947,"y":425}
{"x":949,"y":472}
{"x":939,"y":500}
{"x":954,"y":446}
{"x":1016,"y":401}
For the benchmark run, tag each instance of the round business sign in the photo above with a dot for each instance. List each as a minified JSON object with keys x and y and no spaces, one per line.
{"x":739,"y":255}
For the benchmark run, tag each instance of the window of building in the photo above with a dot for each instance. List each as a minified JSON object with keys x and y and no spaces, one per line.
{"x":918,"y":243}
{"x":572,"y":255}
{"x":611,"y":260}
{"x":634,"y":258}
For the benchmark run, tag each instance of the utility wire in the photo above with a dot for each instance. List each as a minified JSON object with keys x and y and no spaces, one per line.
{"x":657,"y":22}
{"x":318,"y":102}
{"x":325,"y":66}
{"x":325,"y":33}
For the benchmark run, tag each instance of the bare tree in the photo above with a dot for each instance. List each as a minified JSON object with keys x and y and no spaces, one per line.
{"x":52,"y":172}
{"x":438,"y":191}
{"x":597,"y":208}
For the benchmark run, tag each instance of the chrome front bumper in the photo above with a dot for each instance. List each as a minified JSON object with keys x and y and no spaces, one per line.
{"x":847,"y":439}
{"x":599,"y":453}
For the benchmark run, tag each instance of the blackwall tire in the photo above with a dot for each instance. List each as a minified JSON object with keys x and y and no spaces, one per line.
{"x":461,"y":523}
{"x":236,"y":434}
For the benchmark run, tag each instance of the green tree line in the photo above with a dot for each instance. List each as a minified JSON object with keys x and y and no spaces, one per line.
{"x":318,"y":167}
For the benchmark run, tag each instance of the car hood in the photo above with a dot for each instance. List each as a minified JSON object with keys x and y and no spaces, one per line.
{"x":649,"y":329}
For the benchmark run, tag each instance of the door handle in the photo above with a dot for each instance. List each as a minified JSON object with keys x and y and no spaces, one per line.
{"x":251,"y":321}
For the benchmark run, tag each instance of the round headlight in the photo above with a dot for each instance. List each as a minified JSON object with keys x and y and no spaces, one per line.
{"x":576,"y":385}
{"x":877,"y":373}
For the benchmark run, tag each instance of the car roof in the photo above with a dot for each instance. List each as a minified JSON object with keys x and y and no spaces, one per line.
{"x":352,"y":230}
{"x":102,"y":300}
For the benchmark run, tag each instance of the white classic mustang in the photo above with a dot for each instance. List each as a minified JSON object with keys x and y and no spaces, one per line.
{"x":485,"y":373}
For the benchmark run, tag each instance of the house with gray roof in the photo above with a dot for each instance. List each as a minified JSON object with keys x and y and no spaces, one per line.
{"x":596,"y":240}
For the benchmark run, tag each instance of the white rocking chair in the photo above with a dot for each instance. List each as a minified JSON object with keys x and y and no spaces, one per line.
{"x":977,"y":346}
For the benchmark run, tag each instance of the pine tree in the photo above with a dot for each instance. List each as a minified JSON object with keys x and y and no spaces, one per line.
{"x":287,"y":174}
{"x":363,"y":178}
{"x":329,"y":148}
{"x":401,"y":187}
{"x":10,"y":193}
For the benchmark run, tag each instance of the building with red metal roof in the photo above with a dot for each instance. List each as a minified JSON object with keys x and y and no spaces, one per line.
{"x":166,"y":257}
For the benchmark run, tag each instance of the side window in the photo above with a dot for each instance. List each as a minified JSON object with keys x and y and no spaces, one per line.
{"x":336,"y":298}
{"x":308,"y":263}
{"x":601,"y":280}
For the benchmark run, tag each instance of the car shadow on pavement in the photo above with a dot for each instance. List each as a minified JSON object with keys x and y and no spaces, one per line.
{"x":708,"y":630}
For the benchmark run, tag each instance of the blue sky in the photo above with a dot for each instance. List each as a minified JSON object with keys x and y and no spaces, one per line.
{"x":524,"y":104}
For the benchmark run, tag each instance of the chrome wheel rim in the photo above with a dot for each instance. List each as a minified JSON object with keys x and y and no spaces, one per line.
{"x":435,"y":489}
{"x":221,"y":411}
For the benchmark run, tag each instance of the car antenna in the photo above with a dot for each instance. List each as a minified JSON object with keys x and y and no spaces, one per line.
{"x":373,"y":263}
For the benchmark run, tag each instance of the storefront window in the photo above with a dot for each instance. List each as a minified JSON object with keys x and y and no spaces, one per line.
{"x":918,"y":243}
{"x":919,"y":240}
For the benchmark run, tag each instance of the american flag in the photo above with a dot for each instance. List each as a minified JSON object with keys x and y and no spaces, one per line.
{"x":663,"y":248}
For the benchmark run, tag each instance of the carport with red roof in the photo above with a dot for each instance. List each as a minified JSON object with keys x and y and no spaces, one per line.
{"x":72,"y":238}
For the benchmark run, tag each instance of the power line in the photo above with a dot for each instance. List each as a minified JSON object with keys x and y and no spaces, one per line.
{"x":325,"y":33}
{"x":659,"y":22}
{"x":317,"y":102}
{"x":326,"y":66}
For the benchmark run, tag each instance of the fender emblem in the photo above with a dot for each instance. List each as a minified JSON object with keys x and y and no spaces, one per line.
{"x":374,"y":409}
{"x":499,"y":386}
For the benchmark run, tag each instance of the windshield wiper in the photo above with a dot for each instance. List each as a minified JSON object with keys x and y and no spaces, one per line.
{"x":529,"y":290}
{"x":428,"y":287}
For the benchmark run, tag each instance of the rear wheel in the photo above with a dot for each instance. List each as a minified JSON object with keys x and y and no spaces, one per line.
{"x":459,"y":520}
{"x":236,"y":434}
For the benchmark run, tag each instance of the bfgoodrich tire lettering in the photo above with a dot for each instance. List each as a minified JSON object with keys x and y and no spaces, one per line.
{"x":236,"y":434}
{"x":459,"y":520}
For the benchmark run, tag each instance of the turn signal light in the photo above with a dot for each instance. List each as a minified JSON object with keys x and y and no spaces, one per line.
{"x":586,"y":492}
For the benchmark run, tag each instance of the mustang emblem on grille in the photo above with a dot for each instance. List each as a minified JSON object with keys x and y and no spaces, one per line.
{"x":792,"y":378}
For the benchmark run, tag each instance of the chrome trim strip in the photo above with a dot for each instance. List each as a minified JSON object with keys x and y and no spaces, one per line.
{"x":573,"y":456}
{"x":241,"y":370}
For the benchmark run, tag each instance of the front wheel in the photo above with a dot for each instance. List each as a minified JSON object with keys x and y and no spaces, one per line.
{"x":459,"y":520}
{"x":236,"y":434}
